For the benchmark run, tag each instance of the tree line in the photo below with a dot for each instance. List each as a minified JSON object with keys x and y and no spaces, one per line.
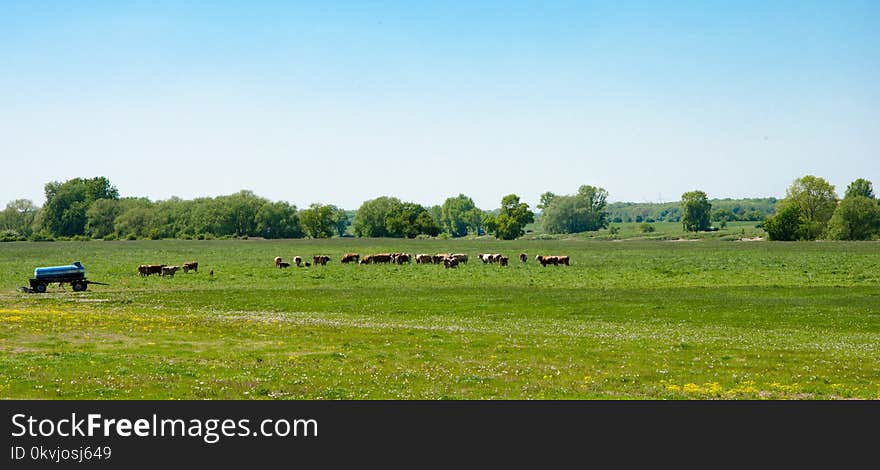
{"x":92,"y":208}
{"x":811,"y":210}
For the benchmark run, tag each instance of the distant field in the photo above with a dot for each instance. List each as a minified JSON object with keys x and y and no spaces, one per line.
{"x":629,"y":319}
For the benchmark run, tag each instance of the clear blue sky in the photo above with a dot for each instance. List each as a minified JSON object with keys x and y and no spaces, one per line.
{"x":338,"y":102}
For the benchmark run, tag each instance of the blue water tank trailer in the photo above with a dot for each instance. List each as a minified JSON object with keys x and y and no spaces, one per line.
{"x":71,"y":271}
{"x":73,"y":274}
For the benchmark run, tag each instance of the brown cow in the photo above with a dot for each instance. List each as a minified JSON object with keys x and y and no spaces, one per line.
{"x":439,"y":257}
{"x":320,"y":259}
{"x":562,"y":260}
{"x":461,"y":257}
{"x":450,"y":262}
{"x":383,"y":258}
{"x":367,"y":259}
{"x":169,"y":270}
{"x":401,"y":258}
{"x":191,"y":266}
{"x":523,"y":258}
{"x":350,"y":258}
{"x":502,"y":260}
{"x":147,"y":269}
{"x":423,"y":258}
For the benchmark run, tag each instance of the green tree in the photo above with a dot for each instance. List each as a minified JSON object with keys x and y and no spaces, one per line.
{"x":816,"y":200}
{"x":64,"y":213}
{"x":101,"y":217}
{"x":19,"y":216}
{"x":318,"y":221}
{"x":489,"y":222}
{"x":138,"y":221}
{"x":278,"y":220}
{"x":695,"y":208}
{"x":342,"y":222}
{"x":512,"y":218}
{"x":455,"y":215}
{"x":370,"y":220}
{"x":725,"y":215}
{"x":546,"y":200}
{"x":856,"y":218}
{"x":584,"y":211}
{"x":786,"y":225}
{"x":409,"y":220}
{"x":860,"y":187}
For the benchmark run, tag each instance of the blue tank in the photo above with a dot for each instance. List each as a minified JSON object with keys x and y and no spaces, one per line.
{"x":75,"y":270}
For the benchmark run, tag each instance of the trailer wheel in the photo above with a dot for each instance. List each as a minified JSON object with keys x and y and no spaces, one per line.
{"x":40,"y":287}
{"x":79,"y":286}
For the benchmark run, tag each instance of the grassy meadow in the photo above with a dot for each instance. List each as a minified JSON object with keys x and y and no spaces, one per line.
{"x":629,"y":319}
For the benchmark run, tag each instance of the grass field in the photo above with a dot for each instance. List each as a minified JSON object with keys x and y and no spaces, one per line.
{"x":629,"y":319}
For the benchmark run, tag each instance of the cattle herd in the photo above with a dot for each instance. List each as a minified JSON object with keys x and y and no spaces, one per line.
{"x":165,"y":270}
{"x":448,"y":260}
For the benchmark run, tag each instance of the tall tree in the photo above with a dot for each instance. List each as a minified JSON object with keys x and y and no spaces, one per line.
{"x":584,"y":211}
{"x":342,"y":222}
{"x":856,"y":218}
{"x":409,"y":220}
{"x":512,"y":218}
{"x":860,"y":187}
{"x":64,"y":213}
{"x":696,"y":209}
{"x":101,"y":217}
{"x":318,"y":221}
{"x":19,"y":216}
{"x":278,"y":220}
{"x":370,"y":219}
{"x":454,"y":215}
{"x":816,"y":200}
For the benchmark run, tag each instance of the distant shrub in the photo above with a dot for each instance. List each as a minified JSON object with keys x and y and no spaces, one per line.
{"x":42,"y":236}
{"x":110,"y":237}
{"x":81,"y":238}
{"x":647,"y":228}
{"x":131,"y":236}
{"x":10,"y":235}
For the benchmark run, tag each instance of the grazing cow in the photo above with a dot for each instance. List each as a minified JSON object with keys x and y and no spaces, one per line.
{"x":401,"y":258}
{"x":439,"y":257}
{"x":367,"y":259}
{"x":320,"y":259}
{"x":283,"y":265}
{"x":169,"y":270}
{"x":277,"y":260}
{"x":191,"y":266}
{"x":211,"y":273}
{"x":483,"y":257}
{"x":523,"y":258}
{"x":554,"y":260}
{"x":502,"y":260}
{"x":298,"y":261}
{"x":383,"y":258}
{"x":350,"y":258}
{"x":423,"y":258}
{"x":147,"y":269}
{"x":450,"y":262}
{"x":461,"y":257}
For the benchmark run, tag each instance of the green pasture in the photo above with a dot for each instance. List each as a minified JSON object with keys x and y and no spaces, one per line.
{"x":630,"y":319}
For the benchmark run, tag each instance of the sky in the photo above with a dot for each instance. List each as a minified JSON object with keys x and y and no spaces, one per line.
{"x":340,"y":102}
